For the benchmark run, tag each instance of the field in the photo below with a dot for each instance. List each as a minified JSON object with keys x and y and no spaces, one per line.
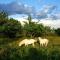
{"x":10,"y":48}
{"x":53,"y":41}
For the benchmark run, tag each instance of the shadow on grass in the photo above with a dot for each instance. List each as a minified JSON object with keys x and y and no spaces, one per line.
{"x":6,"y":41}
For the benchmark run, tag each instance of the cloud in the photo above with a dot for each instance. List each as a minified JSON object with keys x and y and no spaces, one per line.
{"x":46,"y":22}
{"x":45,"y":11}
{"x":48,"y":8}
{"x":41,"y":15}
{"x":52,"y":23}
{"x":16,"y":8}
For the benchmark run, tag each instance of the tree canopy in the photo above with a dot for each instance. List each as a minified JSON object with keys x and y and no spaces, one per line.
{"x":12,"y":28}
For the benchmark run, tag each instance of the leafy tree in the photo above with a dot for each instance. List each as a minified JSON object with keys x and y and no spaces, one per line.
{"x":3,"y":20}
{"x":57,"y":31}
{"x":13,"y":28}
{"x":48,"y":30}
{"x":29,"y":19}
{"x":9,"y":27}
{"x":33,"y":29}
{"x":3,"y":17}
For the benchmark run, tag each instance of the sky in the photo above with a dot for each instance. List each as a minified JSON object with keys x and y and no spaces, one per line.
{"x":39,"y":10}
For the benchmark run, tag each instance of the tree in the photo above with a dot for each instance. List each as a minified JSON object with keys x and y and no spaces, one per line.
{"x":13,"y":28}
{"x":9,"y":27}
{"x":33,"y":29}
{"x":29,"y":19}
{"x":3,"y":20}
{"x":57,"y":31}
{"x":3,"y":17}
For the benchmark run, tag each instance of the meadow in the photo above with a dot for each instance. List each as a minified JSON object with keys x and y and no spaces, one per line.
{"x":10,"y":50}
{"x":12,"y":32}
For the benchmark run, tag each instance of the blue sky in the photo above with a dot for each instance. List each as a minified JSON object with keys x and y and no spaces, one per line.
{"x":36,"y":3}
{"x":48,"y":11}
{"x":38,"y":8}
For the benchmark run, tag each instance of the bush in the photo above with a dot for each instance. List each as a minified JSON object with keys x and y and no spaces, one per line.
{"x":57,"y":31}
{"x":13,"y":28}
{"x":9,"y":27}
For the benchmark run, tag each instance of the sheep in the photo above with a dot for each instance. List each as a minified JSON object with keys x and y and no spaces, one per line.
{"x":43,"y":41}
{"x":27,"y":42}
{"x":23,"y":42}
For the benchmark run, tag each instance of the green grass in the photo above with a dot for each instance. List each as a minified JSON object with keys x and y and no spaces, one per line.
{"x":53,"y":41}
{"x":9,"y":50}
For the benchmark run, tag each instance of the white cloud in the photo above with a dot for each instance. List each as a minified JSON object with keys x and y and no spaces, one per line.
{"x":51,"y":23}
{"x":48,"y":8}
{"x":45,"y":11}
{"x":17,"y":8}
{"x":45,"y":22}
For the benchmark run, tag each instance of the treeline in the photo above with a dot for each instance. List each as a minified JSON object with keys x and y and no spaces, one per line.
{"x":12,"y":28}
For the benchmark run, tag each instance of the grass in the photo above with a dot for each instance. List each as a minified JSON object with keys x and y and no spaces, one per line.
{"x":9,"y":50}
{"x":53,"y":41}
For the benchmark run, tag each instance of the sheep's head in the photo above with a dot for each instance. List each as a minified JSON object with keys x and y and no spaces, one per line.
{"x":39,"y":38}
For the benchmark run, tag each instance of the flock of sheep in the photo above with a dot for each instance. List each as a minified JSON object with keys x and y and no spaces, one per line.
{"x":26,"y":42}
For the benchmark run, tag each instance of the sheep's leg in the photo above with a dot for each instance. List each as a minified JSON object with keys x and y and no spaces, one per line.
{"x":33,"y":44}
{"x":42,"y":44}
{"x":26,"y":44}
{"x":39,"y":44}
{"x":45,"y":44}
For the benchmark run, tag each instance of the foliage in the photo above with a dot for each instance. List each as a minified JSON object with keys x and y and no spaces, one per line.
{"x":13,"y":28}
{"x":9,"y":27}
{"x":3,"y":17}
{"x":57,"y":31}
{"x":33,"y":29}
{"x":29,"y":54}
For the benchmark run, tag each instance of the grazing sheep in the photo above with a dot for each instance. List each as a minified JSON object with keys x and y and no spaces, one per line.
{"x":23,"y":42}
{"x":43,"y":41}
{"x":27,"y":42}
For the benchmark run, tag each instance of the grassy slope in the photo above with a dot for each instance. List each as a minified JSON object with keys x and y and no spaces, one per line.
{"x":10,"y":49}
{"x":53,"y":41}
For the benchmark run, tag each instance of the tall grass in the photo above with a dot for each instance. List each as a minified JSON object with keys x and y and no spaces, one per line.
{"x":14,"y":52}
{"x":29,"y":53}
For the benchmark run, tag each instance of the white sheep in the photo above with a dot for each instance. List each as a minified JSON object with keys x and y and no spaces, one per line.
{"x":23,"y":42}
{"x":43,"y":41}
{"x":27,"y":42}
